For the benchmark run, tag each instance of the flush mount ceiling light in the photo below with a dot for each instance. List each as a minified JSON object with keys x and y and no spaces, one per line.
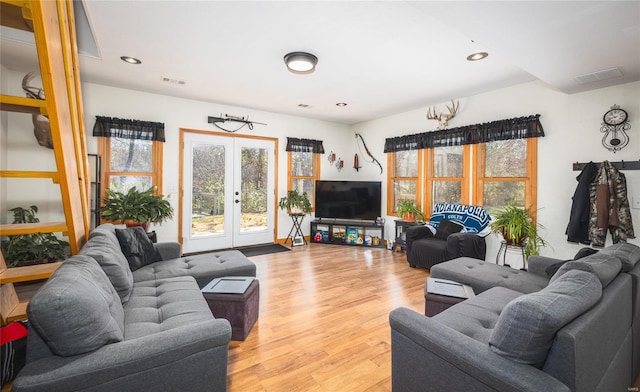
{"x":300,"y":62}
{"x":130,"y":60}
{"x":477,"y":56}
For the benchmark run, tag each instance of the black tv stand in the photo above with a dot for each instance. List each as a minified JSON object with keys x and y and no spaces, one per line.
{"x":347,"y":232}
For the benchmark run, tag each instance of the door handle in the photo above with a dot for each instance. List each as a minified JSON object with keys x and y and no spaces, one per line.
{"x":237,"y":201}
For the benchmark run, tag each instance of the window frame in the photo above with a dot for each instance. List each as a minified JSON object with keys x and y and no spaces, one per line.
{"x":392,"y":177}
{"x":429,"y":178}
{"x":315,"y":167}
{"x":104,"y":148}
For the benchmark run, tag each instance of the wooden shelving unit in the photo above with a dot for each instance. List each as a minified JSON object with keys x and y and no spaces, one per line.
{"x":53,"y":27}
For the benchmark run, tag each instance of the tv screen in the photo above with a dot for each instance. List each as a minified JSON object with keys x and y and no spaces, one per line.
{"x":348,"y":199}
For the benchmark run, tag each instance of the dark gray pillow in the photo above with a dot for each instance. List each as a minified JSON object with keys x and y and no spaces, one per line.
{"x":527,"y":326}
{"x":77,"y":310}
{"x":605,"y":267}
{"x":113,"y":263}
{"x":446,"y":228}
{"x":629,"y":254}
{"x":137,"y":247}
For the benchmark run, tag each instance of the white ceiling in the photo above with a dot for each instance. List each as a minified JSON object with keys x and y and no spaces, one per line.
{"x":379,"y":57}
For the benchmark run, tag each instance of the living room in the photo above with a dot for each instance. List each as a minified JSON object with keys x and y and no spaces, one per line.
{"x":571,"y":122}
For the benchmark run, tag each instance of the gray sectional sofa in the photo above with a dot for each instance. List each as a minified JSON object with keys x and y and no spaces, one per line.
{"x":576,"y":330}
{"x":97,"y":326}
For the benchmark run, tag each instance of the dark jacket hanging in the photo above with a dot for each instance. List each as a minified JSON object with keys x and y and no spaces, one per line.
{"x":578,"y":228}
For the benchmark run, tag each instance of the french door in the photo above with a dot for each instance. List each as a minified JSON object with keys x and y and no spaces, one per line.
{"x":228,"y":197}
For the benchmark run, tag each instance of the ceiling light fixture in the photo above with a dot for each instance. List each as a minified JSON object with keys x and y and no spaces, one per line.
{"x":130,"y":60}
{"x":300,"y":62}
{"x":477,"y":56}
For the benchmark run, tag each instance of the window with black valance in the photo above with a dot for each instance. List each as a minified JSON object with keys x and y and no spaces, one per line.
{"x":128,"y":129}
{"x":514,"y":128}
{"x":304,"y":145}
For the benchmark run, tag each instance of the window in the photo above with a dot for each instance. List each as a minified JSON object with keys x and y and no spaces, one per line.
{"x":304,"y":170}
{"x":447,"y":175}
{"x":131,"y":153}
{"x":304,"y":165}
{"x":404,"y":178}
{"x":507,"y":173}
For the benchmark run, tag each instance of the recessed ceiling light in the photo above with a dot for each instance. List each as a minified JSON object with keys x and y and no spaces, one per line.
{"x":477,"y":56}
{"x":130,"y":60}
{"x":341,"y":104}
{"x":301,"y":62}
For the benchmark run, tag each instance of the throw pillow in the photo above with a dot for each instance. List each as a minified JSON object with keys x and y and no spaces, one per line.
{"x":446,"y":228}
{"x":137,"y":247}
{"x":527,"y":326}
{"x":605,"y":267}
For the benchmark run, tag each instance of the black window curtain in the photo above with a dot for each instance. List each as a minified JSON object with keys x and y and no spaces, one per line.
{"x":128,"y":129}
{"x":304,"y":145}
{"x":513,"y":128}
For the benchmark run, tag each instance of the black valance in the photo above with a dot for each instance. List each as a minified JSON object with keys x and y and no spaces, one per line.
{"x":304,"y":145}
{"x":513,"y":128}
{"x":128,"y":129}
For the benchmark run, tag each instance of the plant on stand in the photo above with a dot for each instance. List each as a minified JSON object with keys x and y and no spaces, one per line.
{"x":518,"y":228}
{"x":38,"y":248}
{"x":409,"y":211}
{"x":295,"y":202}
{"x":136,"y":208}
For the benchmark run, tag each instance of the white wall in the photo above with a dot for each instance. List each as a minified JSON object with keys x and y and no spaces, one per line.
{"x":572,"y":128}
{"x":571,"y":124}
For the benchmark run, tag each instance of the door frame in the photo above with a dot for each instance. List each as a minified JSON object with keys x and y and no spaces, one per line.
{"x":184,"y":131}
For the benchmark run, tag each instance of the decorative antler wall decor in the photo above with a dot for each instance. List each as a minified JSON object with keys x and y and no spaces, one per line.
{"x":443,"y":119}
{"x":373,"y":159}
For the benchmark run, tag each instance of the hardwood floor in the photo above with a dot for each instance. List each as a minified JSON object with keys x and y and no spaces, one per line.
{"x":323,"y":323}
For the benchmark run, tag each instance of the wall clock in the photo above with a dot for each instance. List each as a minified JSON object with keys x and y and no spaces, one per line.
{"x":614,"y":126}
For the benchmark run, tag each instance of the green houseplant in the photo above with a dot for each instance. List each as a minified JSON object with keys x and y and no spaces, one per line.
{"x":295,"y":202}
{"x":518,"y":228}
{"x":135,"y":207}
{"x":38,"y":248}
{"x":409,"y":211}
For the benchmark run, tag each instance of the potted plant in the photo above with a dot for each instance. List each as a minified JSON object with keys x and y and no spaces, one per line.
{"x":517,"y":227}
{"x":295,"y":202}
{"x":135,"y":207}
{"x":409,"y":211}
{"x":38,"y":248}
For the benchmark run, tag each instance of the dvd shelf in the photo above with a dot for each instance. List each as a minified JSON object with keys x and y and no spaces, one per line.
{"x":341,"y":232}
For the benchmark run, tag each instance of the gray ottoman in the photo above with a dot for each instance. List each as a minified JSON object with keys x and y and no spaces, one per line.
{"x":481,"y":275}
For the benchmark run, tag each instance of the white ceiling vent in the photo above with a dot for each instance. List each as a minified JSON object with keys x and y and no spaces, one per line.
{"x":173,"y":81}
{"x":599,"y":75}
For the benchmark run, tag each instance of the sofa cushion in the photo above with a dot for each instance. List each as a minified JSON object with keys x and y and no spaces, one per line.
{"x":553,"y":268}
{"x":137,"y":247}
{"x":629,"y":254}
{"x":527,"y":326}
{"x":113,"y":263}
{"x":605,"y":267}
{"x":107,"y":230}
{"x":446,"y":228}
{"x":77,"y":310}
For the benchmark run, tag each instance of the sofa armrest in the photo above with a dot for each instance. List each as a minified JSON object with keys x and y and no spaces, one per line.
{"x":168,"y":250}
{"x":539,"y":264}
{"x":428,"y":354}
{"x":466,"y":245}
{"x":415,"y":233}
{"x":166,"y":360}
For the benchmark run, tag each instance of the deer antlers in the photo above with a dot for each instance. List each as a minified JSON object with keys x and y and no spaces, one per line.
{"x":443,"y":119}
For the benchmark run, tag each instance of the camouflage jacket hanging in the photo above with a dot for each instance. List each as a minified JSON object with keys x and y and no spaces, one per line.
{"x":609,"y":207}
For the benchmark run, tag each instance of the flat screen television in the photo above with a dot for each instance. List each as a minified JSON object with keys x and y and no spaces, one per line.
{"x":348,"y":199}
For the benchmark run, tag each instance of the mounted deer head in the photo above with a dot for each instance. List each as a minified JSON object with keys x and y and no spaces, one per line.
{"x":443,"y":119}
{"x":41,"y":126}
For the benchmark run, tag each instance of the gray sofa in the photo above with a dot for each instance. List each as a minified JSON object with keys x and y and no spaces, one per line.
{"x":525,"y":331}
{"x":97,"y":326}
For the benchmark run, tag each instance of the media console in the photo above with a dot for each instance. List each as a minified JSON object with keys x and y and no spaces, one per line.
{"x":347,"y":232}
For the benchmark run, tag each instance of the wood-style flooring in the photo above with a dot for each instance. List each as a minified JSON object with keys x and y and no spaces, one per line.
{"x":323,"y":323}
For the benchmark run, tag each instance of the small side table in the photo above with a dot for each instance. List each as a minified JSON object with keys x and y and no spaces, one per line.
{"x":296,"y":230}
{"x":401,"y":233}
{"x":503,"y":252}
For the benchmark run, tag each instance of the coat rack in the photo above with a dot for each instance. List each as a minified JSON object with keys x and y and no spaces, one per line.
{"x":620,"y":165}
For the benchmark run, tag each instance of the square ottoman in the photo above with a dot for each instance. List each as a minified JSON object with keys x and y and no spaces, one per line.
{"x":441,"y":294}
{"x":241,"y":310}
